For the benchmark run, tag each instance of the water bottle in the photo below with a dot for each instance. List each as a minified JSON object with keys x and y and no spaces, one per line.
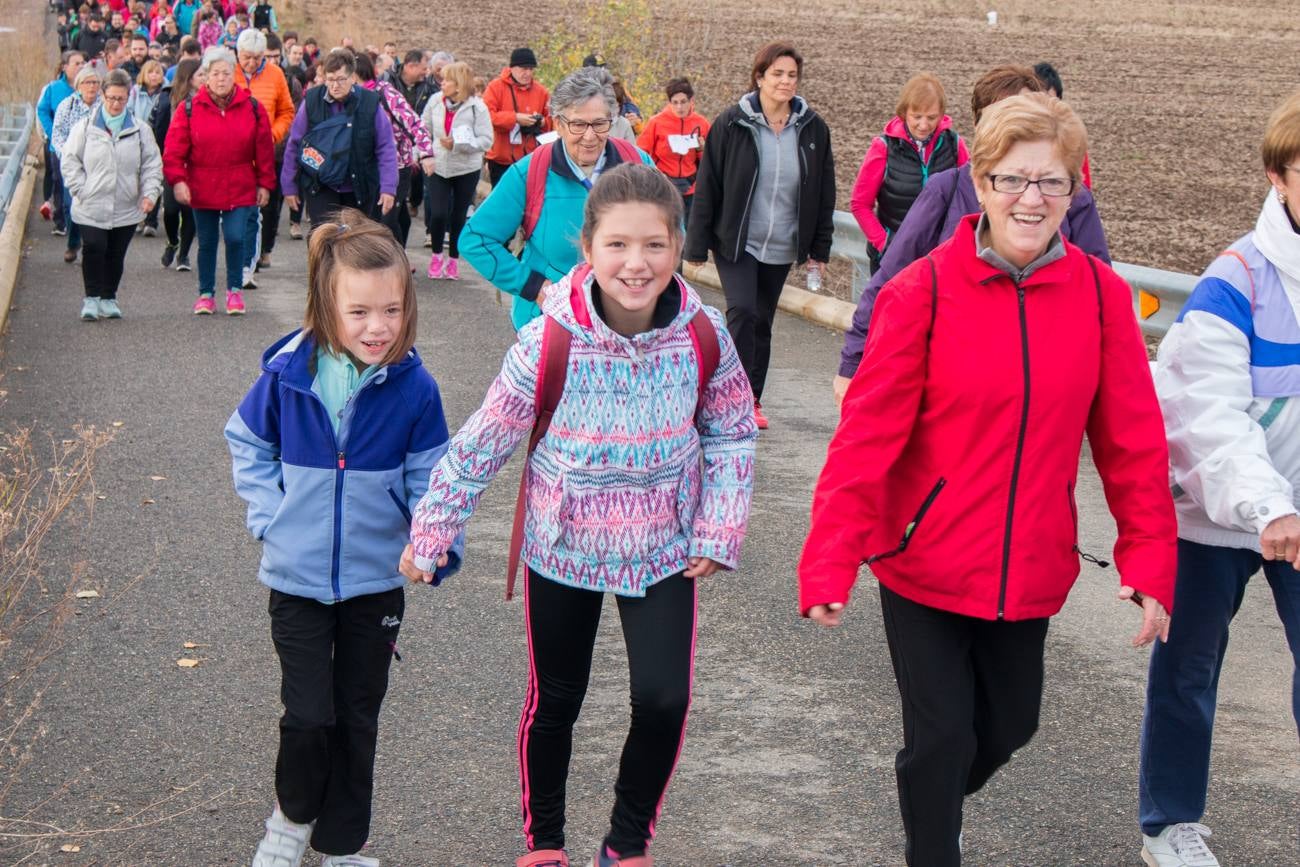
{"x":815,"y":279}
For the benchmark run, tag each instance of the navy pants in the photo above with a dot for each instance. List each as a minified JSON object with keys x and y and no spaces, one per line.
{"x":211,"y":227}
{"x":1183,"y":683}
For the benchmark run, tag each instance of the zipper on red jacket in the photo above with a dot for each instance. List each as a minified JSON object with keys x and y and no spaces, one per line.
{"x":910,"y":530}
{"x":1074,"y":516}
{"x":1020,"y":452}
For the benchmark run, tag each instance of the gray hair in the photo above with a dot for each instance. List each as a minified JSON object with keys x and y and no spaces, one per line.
{"x":583,"y":85}
{"x":443,"y":57}
{"x":116,"y":78}
{"x":88,"y":71}
{"x":252,"y":41}
{"x":217,"y":54}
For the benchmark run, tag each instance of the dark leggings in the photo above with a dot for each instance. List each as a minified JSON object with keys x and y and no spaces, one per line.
{"x":659,"y":631}
{"x":178,"y":223}
{"x":752,"y":290}
{"x":449,"y":201}
{"x":398,"y":218}
{"x":103,"y":257}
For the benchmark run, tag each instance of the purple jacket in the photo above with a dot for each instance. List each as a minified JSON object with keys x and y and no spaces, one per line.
{"x":385,"y":151}
{"x":933,"y":218}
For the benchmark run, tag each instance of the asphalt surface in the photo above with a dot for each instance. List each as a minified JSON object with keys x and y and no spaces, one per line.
{"x":793,"y":730}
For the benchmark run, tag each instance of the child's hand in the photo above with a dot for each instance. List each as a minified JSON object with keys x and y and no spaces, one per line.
{"x":407,"y":567}
{"x":701,"y":567}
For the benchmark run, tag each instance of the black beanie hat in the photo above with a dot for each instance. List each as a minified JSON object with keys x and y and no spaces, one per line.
{"x":523,"y":57}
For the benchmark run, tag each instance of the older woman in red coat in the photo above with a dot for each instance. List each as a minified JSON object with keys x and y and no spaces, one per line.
{"x":952,"y":471}
{"x":220,"y":160}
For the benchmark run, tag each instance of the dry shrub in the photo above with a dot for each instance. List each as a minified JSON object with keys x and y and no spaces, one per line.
{"x":28,"y":55}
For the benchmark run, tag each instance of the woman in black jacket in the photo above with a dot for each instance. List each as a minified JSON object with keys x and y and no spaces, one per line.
{"x":178,"y":219}
{"x":764,"y":200}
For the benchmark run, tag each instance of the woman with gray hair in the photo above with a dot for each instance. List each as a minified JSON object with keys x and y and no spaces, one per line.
{"x":74,"y":108}
{"x":220,"y":160}
{"x":584,"y":108}
{"x":113,"y":170}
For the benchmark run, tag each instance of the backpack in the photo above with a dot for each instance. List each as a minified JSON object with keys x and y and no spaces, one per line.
{"x":553,"y":370}
{"x":535,"y":187}
{"x":262,"y":16}
{"x":326,"y":153}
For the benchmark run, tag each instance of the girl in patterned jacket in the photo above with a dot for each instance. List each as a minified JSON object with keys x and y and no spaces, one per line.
{"x":639,"y":487}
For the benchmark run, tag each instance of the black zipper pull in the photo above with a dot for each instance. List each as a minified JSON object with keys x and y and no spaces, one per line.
{"x":392,"y":645}
{"x":1083,"y":555}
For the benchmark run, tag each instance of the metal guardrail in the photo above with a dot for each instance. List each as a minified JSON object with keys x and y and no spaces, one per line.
{"x":1158,"y":296}
{"x":15,"y":134}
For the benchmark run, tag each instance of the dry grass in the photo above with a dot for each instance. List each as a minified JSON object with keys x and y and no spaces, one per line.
{"x":29,"y":56}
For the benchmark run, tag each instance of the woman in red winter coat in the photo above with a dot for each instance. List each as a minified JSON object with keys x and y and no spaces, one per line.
{"x":953,"y":468}
{"x":220,"y":160}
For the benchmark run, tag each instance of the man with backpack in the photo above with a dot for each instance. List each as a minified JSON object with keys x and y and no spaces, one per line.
{"x":341,"y":151}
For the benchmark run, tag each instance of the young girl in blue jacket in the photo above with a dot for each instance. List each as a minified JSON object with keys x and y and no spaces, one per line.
{"x":332,"y":449}
{"x":639,"y":487}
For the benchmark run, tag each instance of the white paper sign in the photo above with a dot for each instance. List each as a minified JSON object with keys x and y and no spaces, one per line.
{"x":547,"y":137}
{"x":684,"y":144}
{"x":516,"y":137}
{"x":462,"y":135}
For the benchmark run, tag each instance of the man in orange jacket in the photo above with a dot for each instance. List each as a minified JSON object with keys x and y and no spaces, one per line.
{"x":266,"y":82}
{"x":520,"y":110}
{"x":674,"y":138}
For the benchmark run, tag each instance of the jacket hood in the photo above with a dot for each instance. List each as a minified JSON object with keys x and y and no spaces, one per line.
{"x":571,"y":305}
{"x":510,"y":80}
{"x":291,"y":356}
{"x":897,"y":128}
{"x":237,"y":96}
{"x":751,"y":108}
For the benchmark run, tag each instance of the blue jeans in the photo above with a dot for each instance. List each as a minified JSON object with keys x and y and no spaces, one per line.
{"x":233,"y":227}
{"x":74,"y":231}
{"x":1183,"y":682}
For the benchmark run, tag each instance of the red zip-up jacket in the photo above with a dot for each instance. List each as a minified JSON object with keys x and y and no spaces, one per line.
{"x":654,"y":141}
{"x":224,"y":156}
{"x":984,"y":421}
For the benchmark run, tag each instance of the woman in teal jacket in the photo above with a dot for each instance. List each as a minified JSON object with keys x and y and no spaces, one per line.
{"x":584,"y":108}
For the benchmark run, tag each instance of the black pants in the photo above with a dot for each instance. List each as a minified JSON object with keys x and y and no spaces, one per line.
{"x":449,"y":202}
{"x":54,"y":174}
{"x":334,"y":673}
{"x":495,"y":171}
{"x":971,"y":692}
{"x":417,"y":190}
{"x":321,"y":205}
{"x":103,"y":256}
{"x":659,"y":631}
{"x":271,"y":213}
{"x":178,"y":223}
{"x":752,"y":290}
{"x":398,"y":218}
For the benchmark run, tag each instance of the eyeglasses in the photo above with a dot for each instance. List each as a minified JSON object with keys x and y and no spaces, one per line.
{"x":1017,"y":184}
{"x":114,"y":99}
{"x":337,"y":81}
{"x":580,"y":127}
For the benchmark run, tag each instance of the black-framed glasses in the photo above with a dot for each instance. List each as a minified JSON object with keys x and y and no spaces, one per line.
{"x":580,"y":127}
{"x":1014,"y":185}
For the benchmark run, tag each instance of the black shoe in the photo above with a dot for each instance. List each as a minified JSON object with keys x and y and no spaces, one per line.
{"x":251,"y":284}
{"x":183,"y":264}
{"x":168,"y":256}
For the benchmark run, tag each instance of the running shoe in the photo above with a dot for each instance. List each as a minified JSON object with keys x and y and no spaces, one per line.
{"x":205,"y":306}
{"x":759,"y":418}
{"x":90,"y":310}
{"x":168,"y":256}
{"x":183,"y":263}
{"x":1181,"y":845}
{"x":435,"y":267}
{"x":285,"y":842}
{"x":108,"y":309}
{"x":234,"y":304}
{"x":544,"y":858}
{"x":451,"y":270}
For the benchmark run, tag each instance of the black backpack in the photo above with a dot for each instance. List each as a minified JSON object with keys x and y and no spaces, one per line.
{"x":325,"y":156}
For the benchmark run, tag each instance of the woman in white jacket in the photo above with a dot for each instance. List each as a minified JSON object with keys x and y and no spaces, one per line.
{"x":113,"y":170}
{"x":1228,"y":375}
{"x":461,"y":128}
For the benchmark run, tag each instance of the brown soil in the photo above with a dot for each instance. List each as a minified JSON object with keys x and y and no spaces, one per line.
{"x":1175,"y":95}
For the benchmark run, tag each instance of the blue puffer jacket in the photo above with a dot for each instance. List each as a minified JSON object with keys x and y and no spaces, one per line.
{"x":550,"y":252}
{"x":51,"y":95}
{"x":333,"y":512}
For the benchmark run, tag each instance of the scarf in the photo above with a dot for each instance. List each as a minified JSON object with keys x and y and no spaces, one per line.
{"x":1276,"y":238}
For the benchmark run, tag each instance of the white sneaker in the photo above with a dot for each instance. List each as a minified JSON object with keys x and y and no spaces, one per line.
{"x":357,"y":860}
{"x":1181,"y":845}
{"x":285,"y":842}
{"x":90,"y":309}
{"x":108,"y":309}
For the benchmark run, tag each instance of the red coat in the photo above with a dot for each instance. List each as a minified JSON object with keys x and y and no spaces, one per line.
{"x":224,"y":156}
{"x":999,"y":538}
{"x":654,"y":141}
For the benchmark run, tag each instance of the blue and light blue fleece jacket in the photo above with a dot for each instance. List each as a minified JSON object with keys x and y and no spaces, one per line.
{"x":51,"y":95}
{"x":333,"y":511}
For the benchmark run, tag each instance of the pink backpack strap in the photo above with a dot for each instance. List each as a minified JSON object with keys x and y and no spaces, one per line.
{"x":535,"y":187}
{"x":627,"y":151}
{"x":552,"y":370}
{"x":707,"y":353}
{"x":1250,"y":275}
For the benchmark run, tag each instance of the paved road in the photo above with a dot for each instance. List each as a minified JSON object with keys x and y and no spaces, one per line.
{"x":793,"y":730}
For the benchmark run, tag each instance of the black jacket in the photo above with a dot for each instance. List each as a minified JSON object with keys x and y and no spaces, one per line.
{"x":725,"y":184}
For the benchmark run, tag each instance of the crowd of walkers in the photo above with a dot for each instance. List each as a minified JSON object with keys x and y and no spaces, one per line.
{"x":943,"y":476}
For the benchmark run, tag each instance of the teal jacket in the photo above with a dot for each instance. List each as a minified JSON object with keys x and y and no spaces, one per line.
{"x":554,"y":247}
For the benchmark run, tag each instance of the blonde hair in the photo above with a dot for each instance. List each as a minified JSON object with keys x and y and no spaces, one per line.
{"x":352,"y":241}
{"x":460,"y":73}
{"x":921,"y":91}
{"x":1282,"y":136}
{"x":149,"y":66}
{"x":1028,"y":117}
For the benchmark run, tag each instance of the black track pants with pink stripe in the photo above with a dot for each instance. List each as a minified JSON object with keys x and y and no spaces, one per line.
{"x":659,"y":631}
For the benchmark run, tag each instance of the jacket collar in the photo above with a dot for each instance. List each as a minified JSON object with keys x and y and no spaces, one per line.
{"x":964,"y":248}
{"x":562,"y":166}
{"x":572,"y":306}
{"x":751,"y":109}
{"x":291,"y":356}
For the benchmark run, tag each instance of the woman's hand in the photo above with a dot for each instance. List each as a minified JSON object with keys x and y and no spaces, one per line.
{"x":263,"y":197}
{"x":182,"y":193}
{"x":1281,"y":540}
{"x":146,"y":204}
{"x":826,"y":615}
{"x":386,"y":201}
{"x":701,"y":567}
{"x":446,"y":141}
{"x":1155,"y":620}
{"x":840,"y":385}
{"x":426,"y":164}
{"x":292,"y":202}
{"x":407,"y":567}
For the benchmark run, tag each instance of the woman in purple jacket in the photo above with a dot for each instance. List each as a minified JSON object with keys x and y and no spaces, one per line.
{"x":947,"y":198}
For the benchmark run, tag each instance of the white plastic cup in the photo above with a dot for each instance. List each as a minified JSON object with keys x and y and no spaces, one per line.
{"x":993,"y":19}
